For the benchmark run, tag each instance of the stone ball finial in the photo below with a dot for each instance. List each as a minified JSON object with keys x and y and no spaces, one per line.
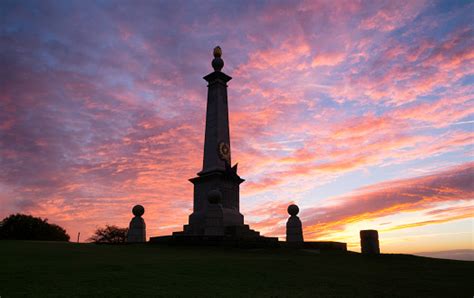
{"x":217,"y":62}
{"x":138,"y":210}
{"x":214,"y":196}
{"x":293,"y":209}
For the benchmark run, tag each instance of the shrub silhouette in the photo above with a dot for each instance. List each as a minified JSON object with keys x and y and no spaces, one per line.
{"x":26,"y":227}
{"x":110,"y":234}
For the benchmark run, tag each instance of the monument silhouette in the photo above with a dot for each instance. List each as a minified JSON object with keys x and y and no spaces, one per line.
{"x":216,"y":173}
{"x":216,"y":206}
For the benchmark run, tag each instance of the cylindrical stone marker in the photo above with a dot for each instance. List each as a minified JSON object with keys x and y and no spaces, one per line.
{"x":369,"y":242}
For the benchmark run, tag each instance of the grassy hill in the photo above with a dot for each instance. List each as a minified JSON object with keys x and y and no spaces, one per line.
{"x":52,"y":269}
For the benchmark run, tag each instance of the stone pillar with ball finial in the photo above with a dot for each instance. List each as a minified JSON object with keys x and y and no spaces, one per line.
{"x":294,"y":228}
{"x":137,"y":227}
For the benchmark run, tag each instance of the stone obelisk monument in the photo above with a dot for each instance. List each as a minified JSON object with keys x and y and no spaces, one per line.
{"x":216,"y":216}
{"x":217,"y":173}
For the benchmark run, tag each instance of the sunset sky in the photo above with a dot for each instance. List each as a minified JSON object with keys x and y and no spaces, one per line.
{"x":359,"y":112}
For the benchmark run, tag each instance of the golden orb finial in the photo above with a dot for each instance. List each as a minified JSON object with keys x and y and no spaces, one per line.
{"x":217,"y":52}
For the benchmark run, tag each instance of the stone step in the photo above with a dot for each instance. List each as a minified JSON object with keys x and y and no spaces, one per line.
{"x":241,"y":231}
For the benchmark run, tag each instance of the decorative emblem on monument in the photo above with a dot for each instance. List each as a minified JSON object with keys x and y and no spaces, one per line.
{"x":224,"y":151}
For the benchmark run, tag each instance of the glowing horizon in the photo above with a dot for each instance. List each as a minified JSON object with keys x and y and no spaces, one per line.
{"x":360,"y":113}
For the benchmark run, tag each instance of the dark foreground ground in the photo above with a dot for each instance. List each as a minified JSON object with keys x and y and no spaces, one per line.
{"x":44,"y":269}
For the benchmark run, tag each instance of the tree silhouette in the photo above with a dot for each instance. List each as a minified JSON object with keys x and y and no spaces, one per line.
{"x":110,"y":234}
{"x":26,"y":227}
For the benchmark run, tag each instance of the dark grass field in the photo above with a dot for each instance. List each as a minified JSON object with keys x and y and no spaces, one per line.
{"x":51,"y":269}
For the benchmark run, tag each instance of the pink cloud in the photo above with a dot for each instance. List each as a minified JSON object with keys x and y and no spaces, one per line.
{"x":327,"y":59}
{"x":393,"y":15}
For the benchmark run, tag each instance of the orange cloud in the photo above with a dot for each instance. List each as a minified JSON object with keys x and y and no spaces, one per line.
{"x":467,"y":214}
{"x":399,"y":196}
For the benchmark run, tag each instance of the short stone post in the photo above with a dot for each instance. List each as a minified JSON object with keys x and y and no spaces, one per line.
{"x":294,"y":228}
{"x":137,"y":227}
{"x":214,"y":218}
{"x":369,"y":242}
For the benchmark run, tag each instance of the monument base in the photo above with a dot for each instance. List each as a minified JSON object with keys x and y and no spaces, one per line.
{"x":235,"y":236}
{"x":226,"y":241}
{"x":256,"y":241}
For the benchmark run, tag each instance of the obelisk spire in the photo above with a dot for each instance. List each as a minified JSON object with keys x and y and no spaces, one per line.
{"x":217,"y":138}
